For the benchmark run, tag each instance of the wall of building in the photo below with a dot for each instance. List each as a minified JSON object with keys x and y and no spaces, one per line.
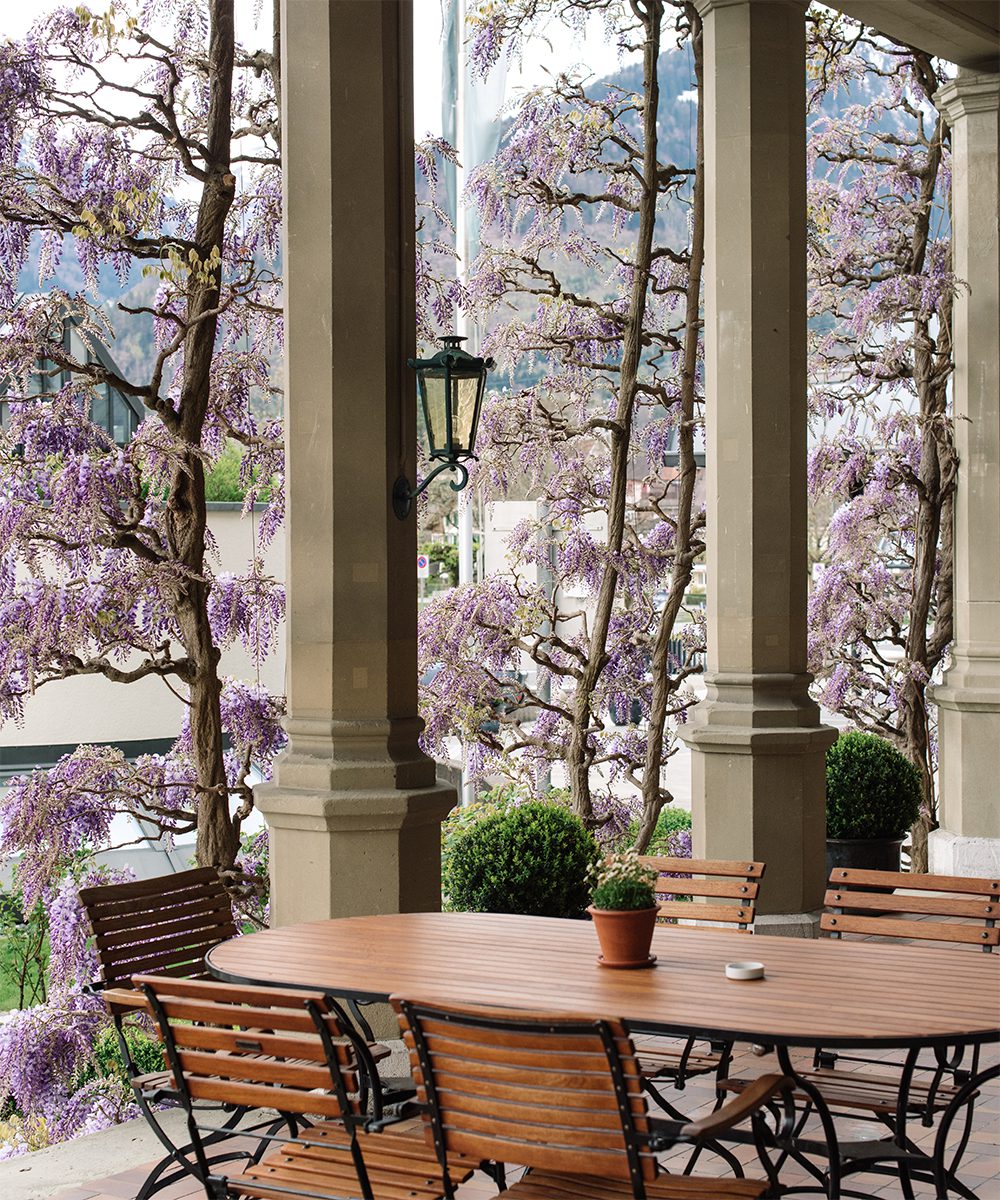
{"x":68,"y":712}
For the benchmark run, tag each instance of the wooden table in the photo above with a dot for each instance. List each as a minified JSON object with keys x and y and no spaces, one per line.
{"x":837,"y":994}
{"x":815,"y":993}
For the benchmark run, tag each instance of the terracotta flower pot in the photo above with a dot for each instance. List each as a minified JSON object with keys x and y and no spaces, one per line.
{"x":625,"y":936}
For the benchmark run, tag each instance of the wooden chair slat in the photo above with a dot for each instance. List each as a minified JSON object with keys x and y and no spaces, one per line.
{"x":725,"y":889}
{"x":706,"y":866}
{"x":286,"y":999}
{"x":686,"y":911}
{"x":935,"y":905}
{"x":571,"y":1090}
{"x":549,"y":1185}
{"x":852,"y":877}
{"x":599,"y":1121}
{"x":149,"y":958}
{"x":277,"y":1045}
{"x":111,"y":892}
{"x":535,"y":1127}
{"x":259,"y":1068}
{"x":249,"y":1095}
{"x":548,"y":1044}
{"x":241,"y":1016}
{"x":196,"y":911}
{"x":576,"y":1158}
{"x":503,"y":1062}
{"x":218,"y":916}
{"x":933,"y":931}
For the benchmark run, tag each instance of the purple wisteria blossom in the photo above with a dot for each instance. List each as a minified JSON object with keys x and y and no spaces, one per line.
{"x":883,"y":467}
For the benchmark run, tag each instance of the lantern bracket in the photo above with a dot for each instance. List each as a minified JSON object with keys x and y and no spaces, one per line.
{"x":403,"y":495}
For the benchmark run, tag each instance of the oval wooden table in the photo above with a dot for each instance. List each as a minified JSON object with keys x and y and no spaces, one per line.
{"x":835,"y":994}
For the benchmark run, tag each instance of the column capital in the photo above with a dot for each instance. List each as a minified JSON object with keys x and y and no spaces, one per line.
{"x":705,"y":7}
{"x":969,"y":93}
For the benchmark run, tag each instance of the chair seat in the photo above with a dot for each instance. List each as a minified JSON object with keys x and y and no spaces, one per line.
{"x":877,"y":1094}
{"x":547,"y":1185}
{"x":400,"y":1165}
{"x":655,"y":1062}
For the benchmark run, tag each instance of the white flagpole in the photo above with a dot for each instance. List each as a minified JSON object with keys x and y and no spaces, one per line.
{"x":462,"y":323}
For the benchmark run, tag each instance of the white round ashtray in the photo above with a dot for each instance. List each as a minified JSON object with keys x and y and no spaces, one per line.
{"x":744,"y":970}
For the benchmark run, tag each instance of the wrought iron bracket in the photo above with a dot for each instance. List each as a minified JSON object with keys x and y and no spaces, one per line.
{"x":403,"y":495}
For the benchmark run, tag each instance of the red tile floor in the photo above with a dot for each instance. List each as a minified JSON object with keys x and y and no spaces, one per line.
{"x":981,"y":1167}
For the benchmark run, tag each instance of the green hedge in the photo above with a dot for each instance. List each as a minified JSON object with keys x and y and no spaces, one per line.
{"x":531,"y":858}
{"x":872,"y":790}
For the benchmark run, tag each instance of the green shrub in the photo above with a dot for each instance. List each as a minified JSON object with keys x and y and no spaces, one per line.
{"x":872,"y":790}
{"x":671,"y":821}
{"x":222,"y":481}
{"x":531,"y":858}
{"x":106,"y":1060}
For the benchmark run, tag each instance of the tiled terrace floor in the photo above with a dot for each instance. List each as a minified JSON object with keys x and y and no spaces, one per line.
{"x":981,"y":1170}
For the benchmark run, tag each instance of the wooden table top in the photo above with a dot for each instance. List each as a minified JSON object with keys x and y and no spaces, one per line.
{"x":823,"y":992}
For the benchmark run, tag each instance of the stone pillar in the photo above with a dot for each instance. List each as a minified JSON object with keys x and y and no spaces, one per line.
{"x":968,"y":842}
{"x":355,"y":809}
{"x":758,"y":780}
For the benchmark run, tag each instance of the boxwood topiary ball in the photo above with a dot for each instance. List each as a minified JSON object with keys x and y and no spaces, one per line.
{"x":872,"y":790}
{"x":531,"y":859}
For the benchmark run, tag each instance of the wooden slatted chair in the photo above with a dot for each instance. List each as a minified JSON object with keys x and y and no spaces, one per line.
{"x":161,"y":926}
{"x":165,"y":925}
{"x":859,"y":903}
{"x":294,"y":1051}
{"x":563,"y":1097}
{"x":729,"y":891}
{"x":941,"y":908}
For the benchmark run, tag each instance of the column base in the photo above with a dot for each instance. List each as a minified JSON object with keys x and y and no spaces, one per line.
{"x":968,"y":735}
{"x":758,"y":783}
{"x":952,"y":854}
{"x":804,"y":924}
{"x":354,"y":853}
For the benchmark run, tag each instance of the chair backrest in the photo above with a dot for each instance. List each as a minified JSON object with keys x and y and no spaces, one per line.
{"x":730,"y":889}
{"x":548,"y":1092}
{"x":160,"y":926}
{"x":855,"y":904}
{"x":255,"y":1047}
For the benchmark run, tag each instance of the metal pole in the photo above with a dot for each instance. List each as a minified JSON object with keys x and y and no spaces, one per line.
{"x":462,"y":323}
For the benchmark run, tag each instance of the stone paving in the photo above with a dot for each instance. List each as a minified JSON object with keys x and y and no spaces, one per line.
{"x":981,"y":1168}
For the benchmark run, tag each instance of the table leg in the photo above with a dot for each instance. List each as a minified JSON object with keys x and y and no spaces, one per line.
{"x":945,"y":1172}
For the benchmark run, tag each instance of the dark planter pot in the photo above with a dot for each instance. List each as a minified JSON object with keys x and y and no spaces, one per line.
{"x":863,"y":854}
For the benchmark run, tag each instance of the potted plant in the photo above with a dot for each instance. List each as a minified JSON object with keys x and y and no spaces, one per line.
{"x":873,"y":796}
{"x":623,"y":907}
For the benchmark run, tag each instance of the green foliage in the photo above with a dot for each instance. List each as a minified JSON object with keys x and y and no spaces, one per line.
{"x":670,"y":821}
{"x":106,"y":1060}
{"x":222,"y":481}
{"x":24,"y":954}
{"x":621,"y":883}
{"x":445,"y":553}
{"x":872,"y":790}
{"x":531,"y":858}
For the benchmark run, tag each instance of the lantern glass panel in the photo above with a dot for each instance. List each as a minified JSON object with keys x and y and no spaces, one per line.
{"x":464,"y":392}
{"x":432,"y":388}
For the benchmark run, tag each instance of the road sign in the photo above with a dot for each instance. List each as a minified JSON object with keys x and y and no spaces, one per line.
{"x":423,"y":566}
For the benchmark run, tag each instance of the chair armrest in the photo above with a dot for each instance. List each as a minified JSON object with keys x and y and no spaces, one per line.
{"x":737,"y":1109}
{"x":123,"y":1000}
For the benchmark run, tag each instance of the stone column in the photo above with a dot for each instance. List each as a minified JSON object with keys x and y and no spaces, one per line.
{"x":758,"y":780}
{"x":968,"y":842}
{"x":355,"y":809}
